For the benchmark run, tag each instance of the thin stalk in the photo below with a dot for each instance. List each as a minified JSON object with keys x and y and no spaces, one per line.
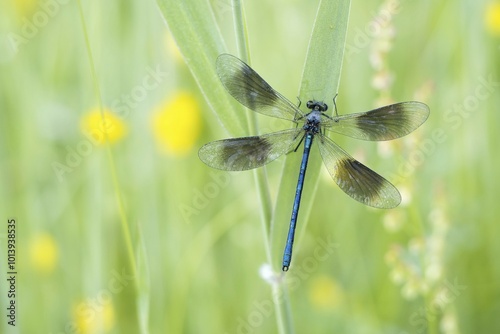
{"x":241,"y":31}
{"x":282,"y":307}
{"x":260,"y":174}
{"x":112,"y":167}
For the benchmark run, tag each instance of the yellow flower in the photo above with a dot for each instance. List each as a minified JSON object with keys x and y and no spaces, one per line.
{"x":44,"y":253}
{"x":177,"y":124}
{"x":25,"y":7}
{"x":324,"y":292}
{"x":95,"y":315}
{"x":96,"y":127}
{"x":492,"y":17}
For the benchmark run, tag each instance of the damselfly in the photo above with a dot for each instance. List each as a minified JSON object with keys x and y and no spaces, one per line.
{"x":354,"y":178}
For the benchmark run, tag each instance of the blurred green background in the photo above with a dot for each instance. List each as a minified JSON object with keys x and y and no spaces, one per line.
{"x":429,"y":266}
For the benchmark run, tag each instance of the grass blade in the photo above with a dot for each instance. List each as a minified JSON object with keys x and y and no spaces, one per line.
{"x":195,"y":30}
{"x":320,"y":81}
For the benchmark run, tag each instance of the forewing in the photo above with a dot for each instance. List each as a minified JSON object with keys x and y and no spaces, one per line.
{"x":355,"y":179}
{"x":385,"y":123}
{"x":237,"y":154}
{"x":246,"y":86}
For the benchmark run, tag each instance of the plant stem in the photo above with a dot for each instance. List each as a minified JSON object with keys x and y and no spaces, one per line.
{"x":112,"y":166}
{"x":241,"y":31}
{"x":282,"y":308}
{"x":260,"y":173}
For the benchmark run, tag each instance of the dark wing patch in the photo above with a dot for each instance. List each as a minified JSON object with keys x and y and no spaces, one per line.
{"x":355,"y":179}
{"x":237,"y":154}
{"x":385,"y":123}
{"x":246,"y":86}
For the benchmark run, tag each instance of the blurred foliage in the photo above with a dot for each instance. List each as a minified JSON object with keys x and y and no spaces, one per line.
{"x":428,"y":266}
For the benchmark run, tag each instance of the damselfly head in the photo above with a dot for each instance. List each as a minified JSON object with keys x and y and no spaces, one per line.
{"x":317,"y":105}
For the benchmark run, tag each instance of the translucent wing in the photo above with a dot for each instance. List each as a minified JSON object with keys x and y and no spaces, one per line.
{"x":244,"y":153}
{"x":385,"y":123}
{"x":355,"y":179}
{"x":246,"y":86}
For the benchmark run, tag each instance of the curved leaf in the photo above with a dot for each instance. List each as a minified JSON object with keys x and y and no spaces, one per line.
{"x":193,"y":26}
{"x":320,"y":81}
